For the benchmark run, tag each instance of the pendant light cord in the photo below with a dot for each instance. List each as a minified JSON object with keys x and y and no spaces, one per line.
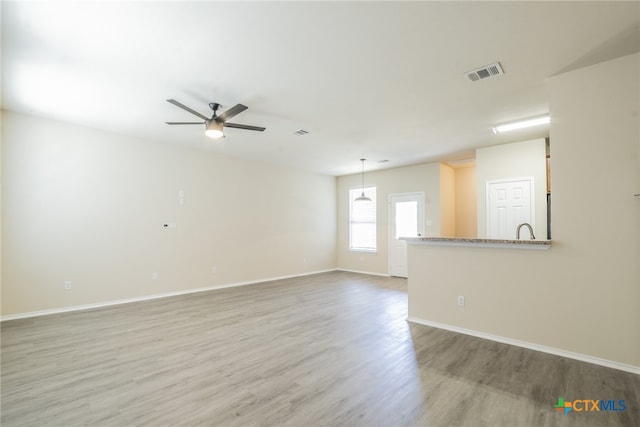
{"x":363,"y":160}
{"x":362,"y":197}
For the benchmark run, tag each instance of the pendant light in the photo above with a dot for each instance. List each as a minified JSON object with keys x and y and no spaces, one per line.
{"x":362,"y":197}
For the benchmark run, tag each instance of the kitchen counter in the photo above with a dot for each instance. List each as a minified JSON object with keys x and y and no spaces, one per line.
{"x":483,"y":243}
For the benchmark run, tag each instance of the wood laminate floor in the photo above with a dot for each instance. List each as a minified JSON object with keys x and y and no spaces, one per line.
{"x":332,"y":349}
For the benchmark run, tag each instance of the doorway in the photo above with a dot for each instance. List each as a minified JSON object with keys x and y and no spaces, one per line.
{"x":406,"y":219}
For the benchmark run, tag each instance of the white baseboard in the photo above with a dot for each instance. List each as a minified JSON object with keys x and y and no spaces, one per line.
{"x":551,"y":350}
{"x":348,"y":270}
{"x":151,"y":297}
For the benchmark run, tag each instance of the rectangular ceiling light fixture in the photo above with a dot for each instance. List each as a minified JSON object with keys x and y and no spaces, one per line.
{"x":536,"y":121}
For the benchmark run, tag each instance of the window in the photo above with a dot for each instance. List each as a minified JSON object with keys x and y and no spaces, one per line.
{"x":406,"y":220}
{"x":362,"y":220}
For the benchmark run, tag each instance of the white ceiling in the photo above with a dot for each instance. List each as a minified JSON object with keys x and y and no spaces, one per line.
{"x":380,"y":80}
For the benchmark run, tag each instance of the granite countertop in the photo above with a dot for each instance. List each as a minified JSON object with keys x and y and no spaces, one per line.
{"x":465,"y":241}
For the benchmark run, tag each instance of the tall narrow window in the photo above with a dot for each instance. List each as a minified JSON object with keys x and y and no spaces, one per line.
{"x":362,"y":220}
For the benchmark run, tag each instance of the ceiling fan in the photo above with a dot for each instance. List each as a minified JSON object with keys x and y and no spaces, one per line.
{"x":214,"y":124}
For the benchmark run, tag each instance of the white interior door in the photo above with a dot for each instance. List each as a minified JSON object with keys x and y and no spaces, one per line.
{"x":406,"y":219}
{"x":509,"y":203}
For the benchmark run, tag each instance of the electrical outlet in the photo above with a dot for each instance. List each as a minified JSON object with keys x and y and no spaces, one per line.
{"x":67,"y":284}
{"x":214,"y":269}
{"x":154,"y":276}
{"x":461,"y":300}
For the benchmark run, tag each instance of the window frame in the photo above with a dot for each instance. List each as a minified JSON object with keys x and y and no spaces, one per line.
{"x":370,"y":191}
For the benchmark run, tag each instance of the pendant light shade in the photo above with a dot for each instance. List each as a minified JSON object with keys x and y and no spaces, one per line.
{"x":362,"y":197}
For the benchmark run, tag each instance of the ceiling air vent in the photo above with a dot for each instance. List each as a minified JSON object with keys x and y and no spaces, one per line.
{"x":485,"y":72}
{"x":300,"y":132}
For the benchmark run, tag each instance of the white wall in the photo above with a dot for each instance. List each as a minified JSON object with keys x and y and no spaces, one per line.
{"x":583,"y":294}
{"x":424,"y":178}
{"x":595,"y":159}
{"x":87,"y":206}
{"x":516,"y":160}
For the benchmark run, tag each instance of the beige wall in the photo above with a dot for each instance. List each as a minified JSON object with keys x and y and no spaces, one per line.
{"x":582,"y":295}
{"x":419,"y":178}
{"x":445,"y":195}
{"x":516,"y":160}
{"x":466,"y":202}
{"x":447,"y":201}
{"x":87,"y":206}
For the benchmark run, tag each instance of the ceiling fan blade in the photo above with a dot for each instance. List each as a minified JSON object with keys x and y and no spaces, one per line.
{"x":245,"y":127}
{"x":184,"y":123}
{"x":184,"y":107}
{"x":235,"y":110}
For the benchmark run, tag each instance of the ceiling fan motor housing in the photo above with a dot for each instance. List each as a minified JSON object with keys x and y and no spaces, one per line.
{"x":214,"y":106}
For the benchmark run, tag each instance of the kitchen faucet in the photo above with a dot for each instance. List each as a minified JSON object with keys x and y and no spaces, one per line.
{"x":530,"y":231}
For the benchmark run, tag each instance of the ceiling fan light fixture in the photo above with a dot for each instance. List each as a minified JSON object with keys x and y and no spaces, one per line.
{"x":522,"y":124}
{"x":214,"y":129}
